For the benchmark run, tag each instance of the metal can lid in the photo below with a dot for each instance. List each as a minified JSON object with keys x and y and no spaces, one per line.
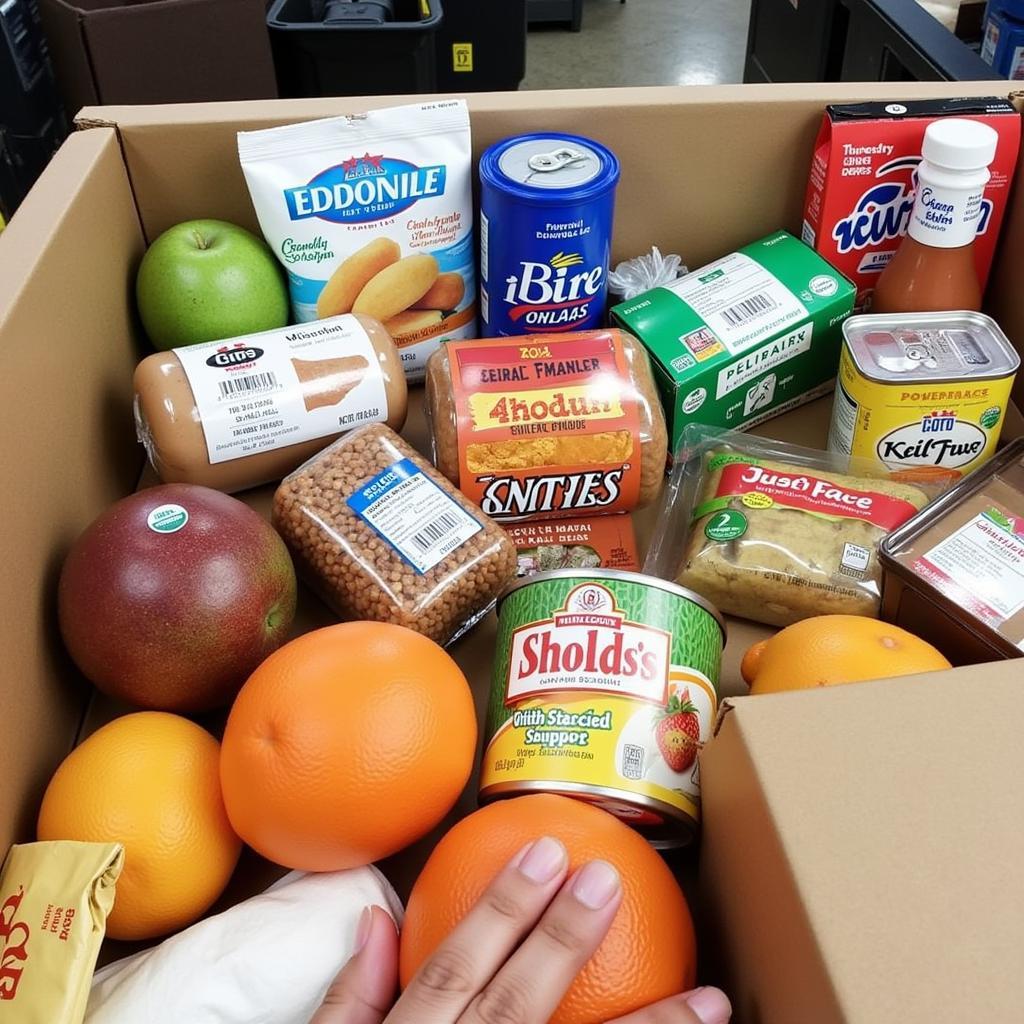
{"x":550,"y":166}
{"x":585,"y":575}
{"x":922,"y":348}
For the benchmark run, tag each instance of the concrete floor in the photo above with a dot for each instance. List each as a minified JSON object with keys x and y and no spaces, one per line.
{"x":641,"y":42}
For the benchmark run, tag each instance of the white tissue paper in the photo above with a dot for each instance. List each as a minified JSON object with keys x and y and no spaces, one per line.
{"x":267,"y":960}
{"x":633,"y":277}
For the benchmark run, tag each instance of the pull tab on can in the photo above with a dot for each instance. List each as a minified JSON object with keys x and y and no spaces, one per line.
{"x":556,"y":159}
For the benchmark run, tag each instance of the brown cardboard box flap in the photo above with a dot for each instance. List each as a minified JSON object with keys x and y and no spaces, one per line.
{"x":68,"y":446}
{"x":701,"y":211}
{"x":893,"y":810}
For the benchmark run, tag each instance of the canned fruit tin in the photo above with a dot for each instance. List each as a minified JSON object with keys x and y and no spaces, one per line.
{"x":922,"y":394}
{"x":605,"y":687}
{"x":546,"y":206}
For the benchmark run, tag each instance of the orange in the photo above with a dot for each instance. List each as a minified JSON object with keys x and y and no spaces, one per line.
{"x":346,"y":745}
{"x":830,"y":649}
{"x":650,"y":951}
{"x":150,"y":781}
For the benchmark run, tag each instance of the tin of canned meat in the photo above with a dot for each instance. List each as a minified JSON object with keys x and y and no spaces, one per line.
{"x":605,"y":687}
{"x":922,"y":394}
{"x":546,"y":205}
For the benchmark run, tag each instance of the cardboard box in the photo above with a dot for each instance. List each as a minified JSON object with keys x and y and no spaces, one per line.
{"x":159,"y":51}
{"x":863,"y":848}
{"x":71,"y":340}
{"x":745,"y":338}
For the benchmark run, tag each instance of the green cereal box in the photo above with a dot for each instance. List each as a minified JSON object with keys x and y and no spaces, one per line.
{"x":745,"y":338}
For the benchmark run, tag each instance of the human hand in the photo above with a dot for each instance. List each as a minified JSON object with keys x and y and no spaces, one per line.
{"x":509,"y":961}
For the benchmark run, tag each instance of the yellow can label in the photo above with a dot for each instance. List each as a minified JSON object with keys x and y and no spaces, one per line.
{"x":934,"y":431}
{"x":606,"y":685}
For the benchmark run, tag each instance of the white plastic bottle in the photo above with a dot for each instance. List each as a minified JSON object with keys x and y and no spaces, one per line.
{"x":934,"y":267}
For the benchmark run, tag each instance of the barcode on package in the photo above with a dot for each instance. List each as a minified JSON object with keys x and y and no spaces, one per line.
{"x":746,"y":310}
{"x":248,"y":384}
{"x":413,"y":514}
{"x":435,"y":532}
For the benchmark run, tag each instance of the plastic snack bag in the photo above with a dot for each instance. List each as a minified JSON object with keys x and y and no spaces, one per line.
{"x":54,"y":902}
{"x":774,"y":532}
{"x":372,"y":214}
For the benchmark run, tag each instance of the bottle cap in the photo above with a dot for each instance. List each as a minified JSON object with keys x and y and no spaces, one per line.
{"x":959,"y":144}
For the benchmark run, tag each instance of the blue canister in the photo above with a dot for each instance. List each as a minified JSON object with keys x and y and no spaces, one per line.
{"x":546,"y":206}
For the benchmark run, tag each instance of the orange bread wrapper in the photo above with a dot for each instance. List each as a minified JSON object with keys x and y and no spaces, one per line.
{"x":54,"y":902}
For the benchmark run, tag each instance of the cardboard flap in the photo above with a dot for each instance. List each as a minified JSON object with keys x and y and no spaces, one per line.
{"x":898,"y":806}
{"x":763,"y":190}
{"x":69,"y":448}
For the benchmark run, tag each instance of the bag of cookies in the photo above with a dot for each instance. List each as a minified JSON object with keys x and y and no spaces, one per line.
{"x":774,"y":532}
{"x":372,"y":213}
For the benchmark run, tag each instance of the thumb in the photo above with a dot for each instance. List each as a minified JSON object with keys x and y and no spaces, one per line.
{"x":364,"y":989}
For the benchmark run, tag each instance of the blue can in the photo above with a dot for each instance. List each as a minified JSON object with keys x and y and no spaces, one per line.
{"x":546,"y":207}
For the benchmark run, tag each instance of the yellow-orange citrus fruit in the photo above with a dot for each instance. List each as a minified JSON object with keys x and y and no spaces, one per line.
{"x":650,"y":951}
{"x":150,"y":781}
{"x":346,"y":745}
{"x":830,"y":649}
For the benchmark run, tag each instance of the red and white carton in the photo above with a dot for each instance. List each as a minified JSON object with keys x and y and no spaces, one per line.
{"x":864,"y":172}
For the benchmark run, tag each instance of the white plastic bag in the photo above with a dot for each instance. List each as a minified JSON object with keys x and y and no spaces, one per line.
{"x":267,"y":960}
{"x":636,"y":276}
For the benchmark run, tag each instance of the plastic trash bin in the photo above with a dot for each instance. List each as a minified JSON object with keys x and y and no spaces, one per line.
{"x":345,"y":48}
{"x":481,"y":47}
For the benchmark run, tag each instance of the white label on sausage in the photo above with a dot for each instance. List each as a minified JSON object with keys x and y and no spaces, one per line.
{"x":285,"y":386}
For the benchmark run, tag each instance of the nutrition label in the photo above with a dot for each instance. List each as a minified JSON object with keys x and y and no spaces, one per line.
{"x":285,"y":386}
{"x":740,"y":300}
{"x":981,"y":565}
{"x":409,"y":511}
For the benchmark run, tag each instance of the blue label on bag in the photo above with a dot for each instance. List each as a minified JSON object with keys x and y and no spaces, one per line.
{"x":404,"y":507}
{"x":364,"y":188}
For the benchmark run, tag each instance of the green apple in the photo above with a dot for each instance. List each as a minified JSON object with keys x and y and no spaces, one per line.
{"x":205,"y":280}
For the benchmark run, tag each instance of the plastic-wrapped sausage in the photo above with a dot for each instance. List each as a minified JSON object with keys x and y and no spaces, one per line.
{"x":548,"y":424}
{"x":246,"y":411}
{"x":381,"y":535}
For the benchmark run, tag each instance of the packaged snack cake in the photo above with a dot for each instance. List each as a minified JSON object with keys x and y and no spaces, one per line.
{"x":774,"y":532}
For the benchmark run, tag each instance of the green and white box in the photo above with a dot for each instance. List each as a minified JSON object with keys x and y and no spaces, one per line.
{"x":744,"y":338}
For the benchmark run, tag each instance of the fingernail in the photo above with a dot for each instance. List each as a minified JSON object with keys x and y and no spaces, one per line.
{"x":596,"y":885}
{"x":711,"y":1005}
{"x":543,"y":860}
{"x":363,"y":929}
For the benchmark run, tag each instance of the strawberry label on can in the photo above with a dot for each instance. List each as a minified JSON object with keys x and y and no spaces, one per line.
{"x":605,"y":688}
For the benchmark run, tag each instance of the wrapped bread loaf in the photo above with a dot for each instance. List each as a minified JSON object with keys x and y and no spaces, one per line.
{"x":548,"y":425}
